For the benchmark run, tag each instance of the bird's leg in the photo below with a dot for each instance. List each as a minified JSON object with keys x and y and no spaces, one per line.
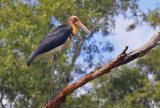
{"x":58,"y":70}
{"x":52,"y":71}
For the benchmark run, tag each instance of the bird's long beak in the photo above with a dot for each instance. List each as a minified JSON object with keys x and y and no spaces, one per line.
{"x":80,"y":25}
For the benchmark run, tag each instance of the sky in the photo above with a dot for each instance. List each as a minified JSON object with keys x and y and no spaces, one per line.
{"x":121,"y":37}
{"x":134,"y":38}
{"x":148,"y":4}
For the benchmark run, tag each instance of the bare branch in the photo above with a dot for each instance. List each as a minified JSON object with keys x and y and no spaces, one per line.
{"x":123,"y":58}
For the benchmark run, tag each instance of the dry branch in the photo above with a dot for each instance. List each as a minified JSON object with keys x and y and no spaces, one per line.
{"x":123,"y":58}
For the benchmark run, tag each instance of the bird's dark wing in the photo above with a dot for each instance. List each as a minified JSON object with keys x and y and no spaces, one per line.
{"x":54,"y":39}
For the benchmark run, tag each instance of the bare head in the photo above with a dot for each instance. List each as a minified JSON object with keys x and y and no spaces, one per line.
{"x":74,"y":20}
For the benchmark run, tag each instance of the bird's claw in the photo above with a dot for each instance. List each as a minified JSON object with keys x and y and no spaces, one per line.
{"x":52,"y":97}
{"x":59,"y":91}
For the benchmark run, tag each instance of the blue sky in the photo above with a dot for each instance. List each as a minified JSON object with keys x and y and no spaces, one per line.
{"x":134,"y":38}
{"x":149,"y":4}
{"x":122,"y":38}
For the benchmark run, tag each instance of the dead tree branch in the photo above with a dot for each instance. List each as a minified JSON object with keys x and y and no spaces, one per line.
{"x":123,"y":58}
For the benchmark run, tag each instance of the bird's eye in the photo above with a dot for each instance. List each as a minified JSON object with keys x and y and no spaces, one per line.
{"x":75,"y":19}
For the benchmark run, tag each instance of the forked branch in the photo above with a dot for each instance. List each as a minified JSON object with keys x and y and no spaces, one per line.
{"x":123,"y":58}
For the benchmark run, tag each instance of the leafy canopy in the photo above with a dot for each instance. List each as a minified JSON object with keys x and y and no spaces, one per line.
{"x":23,"y":23}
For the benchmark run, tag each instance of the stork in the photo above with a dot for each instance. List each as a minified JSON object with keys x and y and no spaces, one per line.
{"x":52,"y":44}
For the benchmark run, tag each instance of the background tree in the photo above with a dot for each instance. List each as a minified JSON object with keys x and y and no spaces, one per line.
{"x":23,"y":23}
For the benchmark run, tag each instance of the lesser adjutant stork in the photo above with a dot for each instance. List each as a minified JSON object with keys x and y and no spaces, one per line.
{"x":54,"y":42}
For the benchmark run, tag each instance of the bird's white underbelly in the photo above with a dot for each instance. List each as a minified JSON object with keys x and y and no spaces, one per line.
{"x":55,"y":50}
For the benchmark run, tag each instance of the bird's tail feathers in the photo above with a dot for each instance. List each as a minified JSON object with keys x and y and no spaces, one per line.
{"x":30,"y":59}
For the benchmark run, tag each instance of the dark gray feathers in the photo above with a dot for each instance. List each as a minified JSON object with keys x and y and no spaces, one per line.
{"x":54,"y":39}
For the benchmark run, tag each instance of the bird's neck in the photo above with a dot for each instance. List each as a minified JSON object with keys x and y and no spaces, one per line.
{"x":75,"y":29}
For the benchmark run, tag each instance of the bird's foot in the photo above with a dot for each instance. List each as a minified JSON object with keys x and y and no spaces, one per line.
{"x":59,"y":91}
{"x":52,"y":97}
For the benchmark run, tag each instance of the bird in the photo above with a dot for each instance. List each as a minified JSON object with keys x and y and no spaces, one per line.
{"x":54,"y":42}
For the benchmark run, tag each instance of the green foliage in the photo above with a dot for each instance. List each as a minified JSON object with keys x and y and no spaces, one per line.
{"x":151,"y":65}
{"x":23,"y":23}
{"x":153,"y":17}
{"x":151,"y":62}
{"x":118,"y":84}
{"x":126,"y":87}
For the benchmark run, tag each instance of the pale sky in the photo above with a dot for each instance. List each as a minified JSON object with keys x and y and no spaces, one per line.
{"x":121,"y":37}
{"x":134,"y":38}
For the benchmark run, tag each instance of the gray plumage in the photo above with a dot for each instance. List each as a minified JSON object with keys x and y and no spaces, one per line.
{"x":51,"y":41}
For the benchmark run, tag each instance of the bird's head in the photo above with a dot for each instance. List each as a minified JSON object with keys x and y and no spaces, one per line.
{"x":75,"y":21}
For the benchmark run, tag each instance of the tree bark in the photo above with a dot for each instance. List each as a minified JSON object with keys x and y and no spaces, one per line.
{"x":123,"y":58}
